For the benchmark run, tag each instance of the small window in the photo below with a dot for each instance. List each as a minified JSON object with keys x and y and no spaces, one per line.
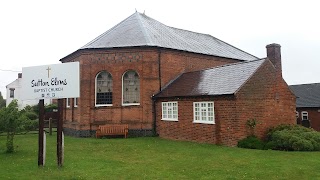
{"x":304,"y":115}
{"x":170,"y":111}
{"x":203,"y":112}
{"x":75,"y":102}
{"x":297,"y":114}
{"x":68,"y":102}
{"x":12,"y":93}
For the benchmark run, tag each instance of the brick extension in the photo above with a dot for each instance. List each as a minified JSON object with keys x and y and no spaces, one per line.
{"x":264,"y":97}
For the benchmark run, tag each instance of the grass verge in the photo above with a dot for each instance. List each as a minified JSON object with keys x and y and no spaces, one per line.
{"x":152,"y":158}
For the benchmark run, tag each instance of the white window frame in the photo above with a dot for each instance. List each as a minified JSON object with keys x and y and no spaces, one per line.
{"x":67,"y":102}
{"x":170,"y":108}
{"x":75,"y":102}
{"x":304,"y":114}
{"x":95,"y":90}
{"x":130,"y":104}
{"x":207,"y":109}
{"x":11,"y":93}
{"x":297,"y":114}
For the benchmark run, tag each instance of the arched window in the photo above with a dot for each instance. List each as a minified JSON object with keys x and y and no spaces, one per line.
{"x":103,"y":88}
{"x":130,"y":88}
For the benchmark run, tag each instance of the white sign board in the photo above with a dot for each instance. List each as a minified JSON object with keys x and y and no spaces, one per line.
{"x":51,"y":81}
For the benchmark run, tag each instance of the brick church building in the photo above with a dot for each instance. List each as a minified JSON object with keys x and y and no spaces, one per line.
{"x":175,"y":83}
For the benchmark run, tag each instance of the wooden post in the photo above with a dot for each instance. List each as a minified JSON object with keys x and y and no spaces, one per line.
{"x":41,"y":126}
{"x":59,"y":133}
{"x":50,"y":126}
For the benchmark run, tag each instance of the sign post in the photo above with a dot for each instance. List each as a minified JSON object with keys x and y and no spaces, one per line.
{"x":41,"y":152}
{"x":59,"y":134}
{"x":55,"y":81}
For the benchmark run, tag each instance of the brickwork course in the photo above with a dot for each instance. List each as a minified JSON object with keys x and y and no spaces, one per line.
{"x":171,"y":64}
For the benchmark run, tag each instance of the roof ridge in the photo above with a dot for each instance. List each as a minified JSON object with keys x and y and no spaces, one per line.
{"x":214,"y":38}
{"x":104,"y":33}
{"x":201,"y":34}
{"x":304,"y":84}
{"x":142,"y":26}
{"x":236,"y":48}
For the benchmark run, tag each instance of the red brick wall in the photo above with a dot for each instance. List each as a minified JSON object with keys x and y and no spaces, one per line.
{"x":314,"y":117}
{"x":117,"y":61}
{"x":266,"y":98}
{"x":184,"y":129}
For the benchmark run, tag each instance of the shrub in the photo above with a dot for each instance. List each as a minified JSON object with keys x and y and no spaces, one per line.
{"x":31,"y":115}
{"x":30,"y":125}
{"x":11,"y":121}
{"x":251,"y":142}
{"x":269,"y":145}
{"x":293,"y":138}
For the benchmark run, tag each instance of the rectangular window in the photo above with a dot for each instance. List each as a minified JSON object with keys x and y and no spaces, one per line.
{"x":304,"y":115}
{"x":11,"y":93}
{"x":203,"y":112}
{"x":170,"y":111}
{"x":68,"y":102}
{"x":75,"y":102}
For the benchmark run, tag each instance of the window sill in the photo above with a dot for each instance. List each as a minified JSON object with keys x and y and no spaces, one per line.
{"x":131,"y":104}
{"x":203,"y":122}
{"x":103,"y":105}
{"x":169,"y":119}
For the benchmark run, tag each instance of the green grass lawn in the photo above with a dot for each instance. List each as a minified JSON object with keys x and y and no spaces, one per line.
{"x":152,"y":158}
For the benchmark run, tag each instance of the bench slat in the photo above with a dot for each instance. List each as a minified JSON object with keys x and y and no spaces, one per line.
{"x":112,"y":129}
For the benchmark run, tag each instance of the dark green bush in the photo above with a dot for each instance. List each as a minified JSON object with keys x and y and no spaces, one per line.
{"x":269,"y":145}
{"x":251,"y":142}
{"x":293,"y":138}
{"x":31,"y":115}
{"x":31,"y":125}
{"x":50,"y":107}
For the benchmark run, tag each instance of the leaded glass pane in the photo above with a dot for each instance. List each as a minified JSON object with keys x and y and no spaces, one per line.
{"x":104,"y":88}
{"x":131,"y":87}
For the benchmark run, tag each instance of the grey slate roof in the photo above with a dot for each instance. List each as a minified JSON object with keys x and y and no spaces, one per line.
{"x":140,"y":30}
{"x":308,"y":95}
{"x":221,"y":80}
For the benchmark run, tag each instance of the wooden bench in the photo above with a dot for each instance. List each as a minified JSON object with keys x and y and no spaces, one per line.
{"x":112,"y":129}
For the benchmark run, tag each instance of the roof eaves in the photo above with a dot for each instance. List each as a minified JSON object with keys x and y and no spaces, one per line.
{"x":237,"y":48}
{"x":193,"y":96}
{"x":216,"y":39}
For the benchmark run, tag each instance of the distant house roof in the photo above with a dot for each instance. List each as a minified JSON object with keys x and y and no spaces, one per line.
{"x":140,"y":30}
{"x":308,"y":95}
{"x":221,"y":80}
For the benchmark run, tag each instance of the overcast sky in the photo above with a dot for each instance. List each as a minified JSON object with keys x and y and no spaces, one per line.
{"x":37,"y":32}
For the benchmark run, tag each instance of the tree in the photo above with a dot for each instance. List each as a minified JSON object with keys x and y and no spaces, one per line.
{"x":2,"y":101}
{"x":12,"y":121}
